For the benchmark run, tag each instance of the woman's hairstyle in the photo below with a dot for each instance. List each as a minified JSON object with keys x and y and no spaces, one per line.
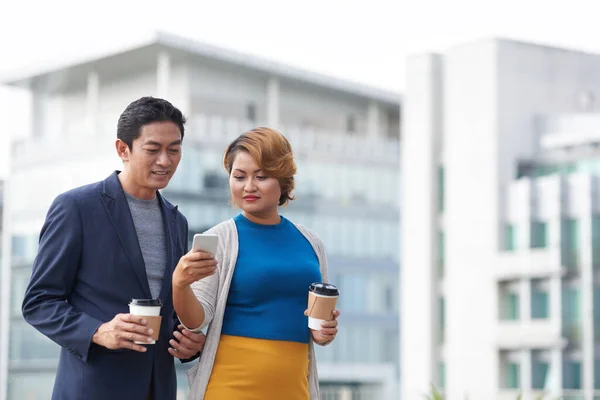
{"x":272,"y":152}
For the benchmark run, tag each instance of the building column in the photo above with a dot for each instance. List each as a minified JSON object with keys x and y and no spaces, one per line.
{"x":163,"y":74}
{"x":587,"y":289}
{"x":92,"y":94}
{"x":273,"y":105}
{"x":524,"y":302}
{"x":554,"y":379}
{"x":5,"y":289}
{"x":525,"y":370}
{"x":373,"y":120}
{"x":420,"y":154}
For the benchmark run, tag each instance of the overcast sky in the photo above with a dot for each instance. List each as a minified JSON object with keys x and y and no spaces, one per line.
{"x":363,"y":41}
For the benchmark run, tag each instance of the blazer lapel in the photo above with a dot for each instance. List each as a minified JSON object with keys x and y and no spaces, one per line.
{"x":169,"y":213}
{"x":116,"y":205}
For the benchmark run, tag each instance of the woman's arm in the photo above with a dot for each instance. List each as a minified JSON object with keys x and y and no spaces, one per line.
{"x":195,"y":282}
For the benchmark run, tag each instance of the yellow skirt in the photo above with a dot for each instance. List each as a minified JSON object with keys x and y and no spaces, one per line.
{"x":259,"y":369}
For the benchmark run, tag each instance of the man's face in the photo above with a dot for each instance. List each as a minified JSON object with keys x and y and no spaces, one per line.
{"x":153,"y":158}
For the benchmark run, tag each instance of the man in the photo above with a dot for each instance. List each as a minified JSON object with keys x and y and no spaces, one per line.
{"x":101,"y":246}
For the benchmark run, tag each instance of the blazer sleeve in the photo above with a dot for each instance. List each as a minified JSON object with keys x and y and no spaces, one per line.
{"x":46,"y":303}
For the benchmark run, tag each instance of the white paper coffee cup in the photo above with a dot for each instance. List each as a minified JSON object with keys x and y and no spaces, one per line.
{"x":148,"y":308}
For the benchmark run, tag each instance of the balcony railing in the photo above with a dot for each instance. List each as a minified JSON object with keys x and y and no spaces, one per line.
{"x":350,"y":393}
{"x":305,"y":141}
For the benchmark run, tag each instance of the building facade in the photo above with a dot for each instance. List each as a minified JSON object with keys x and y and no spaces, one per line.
{"x":499,"y":283}
{"x":346,"y":141}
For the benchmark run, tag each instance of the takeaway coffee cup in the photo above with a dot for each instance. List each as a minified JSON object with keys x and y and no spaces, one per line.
{"x":150,"y":310}
{"x":322,"y":298}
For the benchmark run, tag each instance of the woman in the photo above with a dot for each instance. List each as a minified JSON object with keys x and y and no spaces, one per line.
{"x":258,"y":343}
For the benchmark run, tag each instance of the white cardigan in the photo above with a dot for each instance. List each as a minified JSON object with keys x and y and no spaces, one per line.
{"x":212,"y":293}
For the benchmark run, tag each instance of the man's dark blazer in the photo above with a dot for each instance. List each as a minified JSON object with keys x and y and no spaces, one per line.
{"x":88,"y":267}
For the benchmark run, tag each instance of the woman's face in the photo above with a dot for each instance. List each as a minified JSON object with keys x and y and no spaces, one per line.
{"x":254,"y":192}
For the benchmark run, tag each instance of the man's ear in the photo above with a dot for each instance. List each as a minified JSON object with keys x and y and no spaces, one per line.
{"x":122,"y":150}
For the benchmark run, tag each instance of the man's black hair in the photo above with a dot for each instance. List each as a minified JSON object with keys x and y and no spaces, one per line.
{"x":144,"y":111}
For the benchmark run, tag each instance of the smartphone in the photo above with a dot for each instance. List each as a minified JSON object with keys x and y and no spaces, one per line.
{"x":206,"y":242}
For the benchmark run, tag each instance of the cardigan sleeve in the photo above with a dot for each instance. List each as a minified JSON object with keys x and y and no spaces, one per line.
{"x":206,"y":290}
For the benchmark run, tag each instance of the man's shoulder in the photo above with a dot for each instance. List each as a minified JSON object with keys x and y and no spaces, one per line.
{"x":80,"y":195}
{"x":82,"y":192}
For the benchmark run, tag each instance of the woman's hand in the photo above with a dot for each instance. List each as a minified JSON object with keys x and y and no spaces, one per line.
{"x":329,"y":330}
{"x":193,"y":266}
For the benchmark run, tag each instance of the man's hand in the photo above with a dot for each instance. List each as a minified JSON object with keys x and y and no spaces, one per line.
{"x":329,"y":329}
{"x":193,"y":266}
{"x":187,"y":345}
{"x":122,"y":331}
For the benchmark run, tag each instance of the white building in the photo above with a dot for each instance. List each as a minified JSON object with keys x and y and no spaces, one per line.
{"x":346,"y":140}
{"x":500,"y":220}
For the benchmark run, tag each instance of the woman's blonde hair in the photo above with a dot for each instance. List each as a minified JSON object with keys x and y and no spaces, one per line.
{"x":272,"y":152}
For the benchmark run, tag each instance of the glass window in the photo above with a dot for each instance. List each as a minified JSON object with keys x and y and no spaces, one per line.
{"x":27,"y":344}
{"x":539,"y":371}
{"x":596,"y":300}
{"x":510,"y":370}
{"x":390,"y":340}
{"x":441,"y":253}
{"x":571,"y":374}
{"x":24,"y":248}
{"x":510,"y":237}
{"x":512,"y":375}
{"x":442,"y":318}
{"x":441,"y":375}
{"x":353,"y":285}
{"x":570,"y":242}
{"x":19,"y":281}
{"x":539,"y":234}
{"x":571,"y":313}
{"x":597,"y":374}
{"x":539,"y":299}
{"x":19,"y":246}
{"x":30,"y":385}
{"x":596,"y":241}
{"x":509,"y":302}
{"x":441,"y":188}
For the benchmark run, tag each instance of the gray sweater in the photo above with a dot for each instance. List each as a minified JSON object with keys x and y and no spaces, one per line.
{"x":212,"y":293}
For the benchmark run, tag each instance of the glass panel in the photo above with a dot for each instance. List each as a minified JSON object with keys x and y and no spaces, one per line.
{"x":571,"y":314}
{"x":19,"y":281}
{"x":512,"y":375}
{"x":596,"y":295}
{"x":441,"y":375}
{"x":510,"y":237}
{"x":442,"y":319}
{"x":539,"y":300}
{"x":539,"y":374}
{"x":513,"y":306}
{"x":570,"y":243}
{"x":597,"y":374}
{"x":538,"y":234}
{"x":355,"y":284}
{"x":571,"y":375}
{"x":441,"y":188}
{"x":27,"y":344}
{"x":30,"y":386}
{"x":441,"y":253}
{"x":596,"y":241}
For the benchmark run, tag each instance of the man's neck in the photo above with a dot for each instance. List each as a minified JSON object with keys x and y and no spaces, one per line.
{"x":134,"y":190}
